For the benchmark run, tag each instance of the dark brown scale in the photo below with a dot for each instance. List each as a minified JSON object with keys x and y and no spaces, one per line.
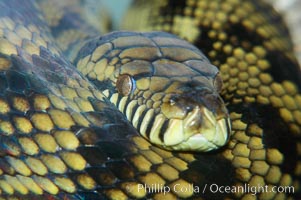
{"x":102,"y":176}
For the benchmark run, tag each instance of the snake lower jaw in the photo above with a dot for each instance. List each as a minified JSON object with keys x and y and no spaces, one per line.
{"x":200,"y":131}
{"x":214,"y":129}
{"x":207,"y":139}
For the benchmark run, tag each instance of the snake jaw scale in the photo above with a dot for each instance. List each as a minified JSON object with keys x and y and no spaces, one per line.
{"x":174,"y":133}
{"x":155,"y":131}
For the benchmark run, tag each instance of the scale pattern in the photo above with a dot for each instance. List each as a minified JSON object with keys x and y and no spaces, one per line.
{"x":249,"y":43}
{"x":62,"y":139}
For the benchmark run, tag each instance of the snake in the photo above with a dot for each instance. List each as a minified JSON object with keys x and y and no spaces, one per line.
{"x":200,"y":100}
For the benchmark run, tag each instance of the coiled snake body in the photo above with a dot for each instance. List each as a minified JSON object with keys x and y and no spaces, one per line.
{"x":63,"y":135}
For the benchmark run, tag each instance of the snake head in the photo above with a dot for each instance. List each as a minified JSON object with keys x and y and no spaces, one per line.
{"x":197,"y":119}
{"x":166,"y":88}
{"x":185,"y":116}
{"x":177,"y":113}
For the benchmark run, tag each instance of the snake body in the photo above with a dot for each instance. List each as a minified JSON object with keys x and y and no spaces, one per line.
{"x":63,"y":134}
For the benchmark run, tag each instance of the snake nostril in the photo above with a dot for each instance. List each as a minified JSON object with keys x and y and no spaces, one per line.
{"x":172,"y":102}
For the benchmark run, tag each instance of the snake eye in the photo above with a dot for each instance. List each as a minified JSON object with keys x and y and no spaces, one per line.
{"x":218,"y":82}
{"x":125,"y":84}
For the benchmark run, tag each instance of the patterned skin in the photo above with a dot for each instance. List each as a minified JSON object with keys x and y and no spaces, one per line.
{"x":62,"y":139}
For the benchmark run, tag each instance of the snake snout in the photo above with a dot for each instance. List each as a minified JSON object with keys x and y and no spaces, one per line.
{"x":198,"y":121}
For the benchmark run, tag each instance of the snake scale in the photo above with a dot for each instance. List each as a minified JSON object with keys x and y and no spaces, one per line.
{"x":73,"y":103}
